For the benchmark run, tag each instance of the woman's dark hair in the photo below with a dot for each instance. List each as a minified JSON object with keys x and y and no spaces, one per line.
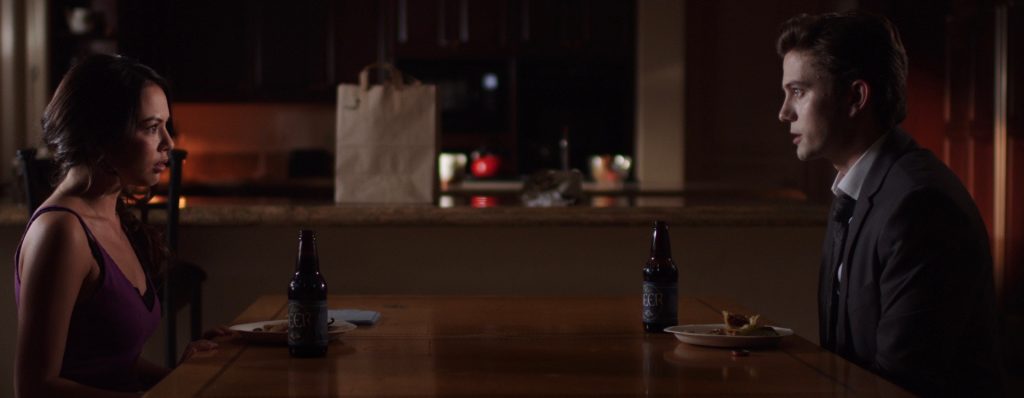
{"x":851,"y":46}
{"x":94,"y":110}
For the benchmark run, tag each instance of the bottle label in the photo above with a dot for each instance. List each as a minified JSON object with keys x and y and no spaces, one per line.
{"x":661,"y":301}
{"x":307,"y":322}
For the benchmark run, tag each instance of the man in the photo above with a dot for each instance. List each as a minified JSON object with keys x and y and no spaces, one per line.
{"x":906,"y":285}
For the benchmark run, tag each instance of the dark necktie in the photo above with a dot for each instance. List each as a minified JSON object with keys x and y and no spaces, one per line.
{"x":842,"y":210}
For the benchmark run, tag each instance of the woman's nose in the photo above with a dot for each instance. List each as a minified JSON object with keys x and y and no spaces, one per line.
{"x":166,"y":141}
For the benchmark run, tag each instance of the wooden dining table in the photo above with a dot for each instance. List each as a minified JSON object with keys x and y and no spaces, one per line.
{"x":477,"y":346}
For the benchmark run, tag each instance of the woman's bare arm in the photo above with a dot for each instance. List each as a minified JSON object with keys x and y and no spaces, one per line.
{"x":55,"y":265}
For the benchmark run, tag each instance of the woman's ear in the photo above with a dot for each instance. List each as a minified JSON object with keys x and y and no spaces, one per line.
{"x":860,"y":91}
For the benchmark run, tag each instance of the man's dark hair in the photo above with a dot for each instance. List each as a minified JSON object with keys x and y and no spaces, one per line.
{"x":854,"y":46}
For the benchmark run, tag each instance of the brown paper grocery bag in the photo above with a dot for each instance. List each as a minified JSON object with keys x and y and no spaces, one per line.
{"x":386,"y":150}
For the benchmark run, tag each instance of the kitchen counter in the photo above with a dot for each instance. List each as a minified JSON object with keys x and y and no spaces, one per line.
{"x":483,"y":203}
{"x":283,"y":212}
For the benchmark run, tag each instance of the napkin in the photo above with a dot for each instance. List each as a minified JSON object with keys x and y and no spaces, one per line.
{"x":357,"y":317}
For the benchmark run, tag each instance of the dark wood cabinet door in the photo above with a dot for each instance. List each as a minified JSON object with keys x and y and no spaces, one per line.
{"x":420,"y":28}
{"x":969,"y":147}
{"x":355,"y":38}
{"x":292,"y":50}
{"x":1013,"y":277}
{"x":483,"y":27}
{"x":142,"y":33}
{"x":611,"y":28}
{"x":252,"y":50}
{"x":211,"y":54}
{"x":551,"y":27}
{"x":574,"y":27}
{"x":305,"y":49}
{"x":426,"y":29}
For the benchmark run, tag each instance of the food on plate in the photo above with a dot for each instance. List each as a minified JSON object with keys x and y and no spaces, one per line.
{"x":274,"y":327}
{"x":282,"y":327}
{"x":742,"y":325}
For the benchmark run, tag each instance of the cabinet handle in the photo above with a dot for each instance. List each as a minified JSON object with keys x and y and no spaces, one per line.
{"x":947,"y":84}
{"x":403,"y":21}
{"x":1012,"y":98}
{"x":1011,"y":12}
{"x":464,"y":21}
{"x":972,"y":81}
{"x":442,"y":27}
{"x":330,"y":45}
{"x":525,"y":32}
{"x":503,"y":22}
{"x":256,"y":18}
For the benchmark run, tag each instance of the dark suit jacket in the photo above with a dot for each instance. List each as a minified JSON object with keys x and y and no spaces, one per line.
{"x":916,"y":301}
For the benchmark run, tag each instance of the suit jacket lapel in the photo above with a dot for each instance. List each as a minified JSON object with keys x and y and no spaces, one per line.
{"x":826,"y":282}
{"x":895,"y":146}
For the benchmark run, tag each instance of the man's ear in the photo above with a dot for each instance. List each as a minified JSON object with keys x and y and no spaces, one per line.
{"x":860,"y":91}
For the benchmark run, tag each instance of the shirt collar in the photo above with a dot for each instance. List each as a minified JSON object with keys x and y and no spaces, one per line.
{"x":851,"y":182}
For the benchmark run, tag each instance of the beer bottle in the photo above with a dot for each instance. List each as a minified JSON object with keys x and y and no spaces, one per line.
{"x":661,"y":283}
{"x":307,"y":302}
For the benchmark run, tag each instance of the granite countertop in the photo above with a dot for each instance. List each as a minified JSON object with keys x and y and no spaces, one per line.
{"x":246,"y":212}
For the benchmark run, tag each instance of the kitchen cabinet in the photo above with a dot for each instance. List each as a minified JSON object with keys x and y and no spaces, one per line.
{"x":464,"y":28}
{"x":1013,"y":275}
{"x":293,"y":43}
{"x":554,"y":65}
{"x":356,"y":38}
{"x":142,"y":32}
{"x":451,"y":28}
{"x":77,"y":29}
{"x":572,"y":27}
{"x":211,"y":55}
{"x":511,"y":73}
{"x":244,"y":51}
{"x":978,"y":81}
{"x":969,"y":120}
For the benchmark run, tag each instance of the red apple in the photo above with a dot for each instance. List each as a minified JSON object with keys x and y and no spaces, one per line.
{"x":485,"y":166}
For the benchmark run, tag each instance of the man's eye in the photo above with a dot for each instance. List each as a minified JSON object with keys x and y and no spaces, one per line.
{"x":798,"y":92}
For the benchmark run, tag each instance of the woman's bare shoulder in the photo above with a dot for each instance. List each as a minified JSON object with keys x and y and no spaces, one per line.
{"x":54,"y":238}
{"x":55,"y":224}
{"x":65,"y":218}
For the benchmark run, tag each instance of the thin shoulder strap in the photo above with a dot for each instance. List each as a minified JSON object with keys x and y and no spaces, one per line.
{"x":47,"y":209}
{"x":93,"y":244}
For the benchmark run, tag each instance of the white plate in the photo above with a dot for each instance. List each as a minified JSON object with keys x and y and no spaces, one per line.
{"x":245,"y":331}
{"x":701,"y":335}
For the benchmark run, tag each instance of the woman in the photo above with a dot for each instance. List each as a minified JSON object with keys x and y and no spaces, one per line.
{"x":86,"y":300}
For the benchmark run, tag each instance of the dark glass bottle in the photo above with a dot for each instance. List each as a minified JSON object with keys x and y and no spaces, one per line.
{"x":661,"y":283}
{"x":307,"y":302}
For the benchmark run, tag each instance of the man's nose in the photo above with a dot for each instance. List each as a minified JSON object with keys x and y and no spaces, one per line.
{"x":786,"y":114}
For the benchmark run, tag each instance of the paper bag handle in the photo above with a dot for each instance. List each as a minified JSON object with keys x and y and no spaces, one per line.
{"x":394,"y":76}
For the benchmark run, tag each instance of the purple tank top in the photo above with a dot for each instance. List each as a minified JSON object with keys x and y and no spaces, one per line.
{"x":109,"y":328}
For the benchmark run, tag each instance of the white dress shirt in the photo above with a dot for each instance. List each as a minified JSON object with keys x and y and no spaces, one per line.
{"x":852,"y":181}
